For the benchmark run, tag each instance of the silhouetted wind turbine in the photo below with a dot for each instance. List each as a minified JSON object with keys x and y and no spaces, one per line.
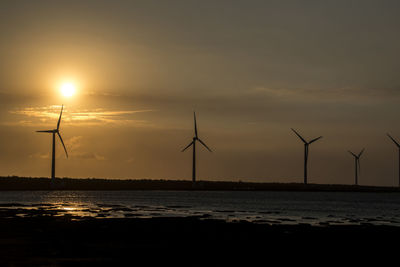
{"x":193,"y":143}
{"x":53,"y":157}
{"x":357,"y":164}
{"x":398,"y":146}
{"x":306,"y":144}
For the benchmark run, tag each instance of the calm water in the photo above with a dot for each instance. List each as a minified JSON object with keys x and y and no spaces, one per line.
{"x":316,"y":208}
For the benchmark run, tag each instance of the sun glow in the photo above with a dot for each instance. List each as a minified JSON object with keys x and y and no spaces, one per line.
{"x":68,"y":89}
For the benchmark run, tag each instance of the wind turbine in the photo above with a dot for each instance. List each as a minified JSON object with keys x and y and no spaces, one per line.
{"x":398,"y":146}
{"x":193,"y":143}
{"x":357,"y":164}
{"x":53,"y":157}
{"x":306,"y":144}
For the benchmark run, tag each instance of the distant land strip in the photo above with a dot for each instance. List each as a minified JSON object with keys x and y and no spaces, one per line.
{"x":28,"y":183}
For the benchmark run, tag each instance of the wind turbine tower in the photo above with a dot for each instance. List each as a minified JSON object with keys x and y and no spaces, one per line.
{"x":193,"y":143}
{"x":53,"y":156}
{"x":357,"y":165}
{"x":306,"y":145}
{"x":398,"y":146}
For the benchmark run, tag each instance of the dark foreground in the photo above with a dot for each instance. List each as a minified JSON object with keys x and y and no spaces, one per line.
{"x":66,"y":241}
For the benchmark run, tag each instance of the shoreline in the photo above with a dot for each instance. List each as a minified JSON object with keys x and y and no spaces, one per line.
{"x":94,"y":184}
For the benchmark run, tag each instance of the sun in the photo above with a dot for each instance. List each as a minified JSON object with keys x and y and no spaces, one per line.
{"x":68,"y":89}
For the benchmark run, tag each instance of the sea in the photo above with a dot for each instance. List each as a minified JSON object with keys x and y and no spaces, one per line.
{"x":262,"y":207}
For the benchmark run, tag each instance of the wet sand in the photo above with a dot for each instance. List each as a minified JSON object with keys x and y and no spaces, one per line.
{"x":46,"y":239}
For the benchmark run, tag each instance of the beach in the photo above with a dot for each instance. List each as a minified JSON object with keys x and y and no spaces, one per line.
{"x":46,"y":237}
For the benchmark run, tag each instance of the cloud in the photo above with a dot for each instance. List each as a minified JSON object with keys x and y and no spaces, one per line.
{"x":104,"y":116}
{"x":97,"y":116}
{"x":88,"y":155}
{"x":40,"y":156}
{"x":130,"y":160}
{"x":43,"y":113}
{"x":73,"y":143}
{"x":341,"y":94}
{"x":74,"y":146}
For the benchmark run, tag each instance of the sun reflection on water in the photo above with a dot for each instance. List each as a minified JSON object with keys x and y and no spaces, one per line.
{"x":81,"y":205}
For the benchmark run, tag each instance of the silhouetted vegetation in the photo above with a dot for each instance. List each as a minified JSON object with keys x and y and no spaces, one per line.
{"x":24,"y":183}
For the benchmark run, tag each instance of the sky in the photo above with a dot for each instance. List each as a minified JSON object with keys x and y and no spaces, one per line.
{"x":250,"y":69}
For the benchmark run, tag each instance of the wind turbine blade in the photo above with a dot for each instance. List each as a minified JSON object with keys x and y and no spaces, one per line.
{"x":394,"y":141}
{"x":59,"y":119}
{"x":191,"y":143}
{"x":352,"y":153}
{"x":362,"y":151}
{"x":46,"y":131}
{"x":62,"y":142}
{"x":302,"y":139}
{"x":204,"y":145}
{"x":359,"y":167}
{"x":315,"y":139}
{"x":195,"y":124}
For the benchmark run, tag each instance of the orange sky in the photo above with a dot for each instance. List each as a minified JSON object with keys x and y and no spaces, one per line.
{"x":250,"y":69}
